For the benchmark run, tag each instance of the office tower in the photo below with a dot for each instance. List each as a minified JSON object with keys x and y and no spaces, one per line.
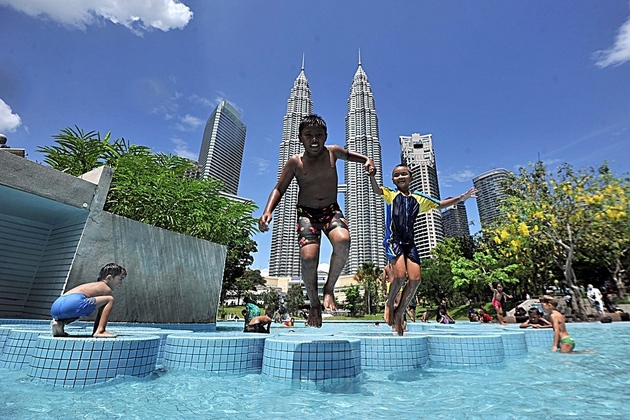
{"x":490,"y":194}
{"x":284,"y":259}
{"x":455,"y":221}
{"x":221,"y":153}
{"x":418,"y":154}
{"x":363,"y":209}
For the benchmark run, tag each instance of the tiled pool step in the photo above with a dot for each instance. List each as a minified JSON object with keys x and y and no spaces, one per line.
{"x":80,"y":362}
{"x":458,"y":350}
{"x":539,"y":337}
{"x":304,"y":358}
{"x":17,"y":349}
{"x":219,"y":353}
{"x":384,"y":351}
{"x":312,"y":359}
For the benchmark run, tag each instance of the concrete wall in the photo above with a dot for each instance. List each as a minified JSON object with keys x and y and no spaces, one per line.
{"x":170,"y":277}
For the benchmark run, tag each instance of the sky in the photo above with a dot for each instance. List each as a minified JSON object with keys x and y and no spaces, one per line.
{"x":498,"y":84}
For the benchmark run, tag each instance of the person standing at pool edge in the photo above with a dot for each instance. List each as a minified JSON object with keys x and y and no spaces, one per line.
{"x":317,"y":208}
{"x":85,"y":298}
{"x":403,"y":206}
{"x":498,"y":297}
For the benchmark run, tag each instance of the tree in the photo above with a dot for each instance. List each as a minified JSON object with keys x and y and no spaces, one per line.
{"x":484,"y":268}
{"x":78,"y":152}
{"x":238,"y":258}
{"x":155,"y":189}
{"x":608,"y":241}
{"x":249,"y":281}
{"x":271,"y":300}
{"x":563,"y":211}
{"x":294,"y":299}
{"x":368,"y":277}
{"x":437,"y":278}
{"x":353,"y":301}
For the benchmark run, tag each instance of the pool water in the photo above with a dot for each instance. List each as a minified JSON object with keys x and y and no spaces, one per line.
{"x":540,"y":384}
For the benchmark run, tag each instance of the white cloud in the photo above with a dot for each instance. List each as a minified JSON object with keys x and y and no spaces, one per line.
{"x":188,"y":123}
{"x":181,"y":149}
{"x":462,"y":176}
{"x":192,"y":121}
{"x":618,"y":53}
{"x":262,"y":166}
{"x":196,"y":99}
{"x":137,"y":15}
{"x":8,"y":120}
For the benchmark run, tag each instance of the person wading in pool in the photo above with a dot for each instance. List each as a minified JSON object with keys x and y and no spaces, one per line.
{"x":317,"y":210}
{"x":403,"y":206}
{"x":561,"y":338}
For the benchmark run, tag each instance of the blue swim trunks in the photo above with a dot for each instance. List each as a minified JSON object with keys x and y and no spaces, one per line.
{"x":72,"y":306}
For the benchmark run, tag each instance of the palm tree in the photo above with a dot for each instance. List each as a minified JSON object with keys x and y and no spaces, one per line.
{"x":78,"y":152}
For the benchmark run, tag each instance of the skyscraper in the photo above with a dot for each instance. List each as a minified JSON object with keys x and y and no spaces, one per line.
{"x":284,"y":259}
{"x":418,"y":154}
{"x":455,"y":221}
{"x":490,"y":194}
{"x":363,"y":209}
{"x":221,"y":154}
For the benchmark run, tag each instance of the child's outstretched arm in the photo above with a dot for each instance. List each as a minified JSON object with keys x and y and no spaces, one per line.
{"x":462,"y":197}
{"x":345,"y":154}
{"x":288,"y":172}
{"x":375,"y":187}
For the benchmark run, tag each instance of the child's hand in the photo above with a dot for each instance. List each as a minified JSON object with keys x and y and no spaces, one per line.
{"x":263,"y":222}
{"x":370,"y":167}
{"x":468,"y":194}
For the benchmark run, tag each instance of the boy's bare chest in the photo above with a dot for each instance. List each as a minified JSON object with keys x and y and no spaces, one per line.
{"x":321,"y":171}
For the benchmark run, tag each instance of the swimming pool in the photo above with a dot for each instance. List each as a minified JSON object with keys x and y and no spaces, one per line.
{"x":538,"y":384}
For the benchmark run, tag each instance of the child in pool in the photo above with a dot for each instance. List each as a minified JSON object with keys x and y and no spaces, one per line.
{"x":85,"y":298}
{"x":403,"y":206}
{"x":536,"y":320}
{"x":498,"y":297}
{"x":561,"y":338}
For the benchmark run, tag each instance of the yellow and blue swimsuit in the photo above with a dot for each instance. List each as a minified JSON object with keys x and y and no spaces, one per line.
{"x":401,"y":213}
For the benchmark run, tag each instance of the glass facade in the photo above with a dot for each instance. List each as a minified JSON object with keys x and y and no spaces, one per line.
{"x":221,"y":154}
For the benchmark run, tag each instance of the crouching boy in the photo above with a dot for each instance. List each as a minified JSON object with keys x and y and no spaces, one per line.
{"x":84,"y":299}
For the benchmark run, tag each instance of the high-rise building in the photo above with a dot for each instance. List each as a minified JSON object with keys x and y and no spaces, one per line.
{"x":363,"y":209}
{"x":221,"y":154}
{"x":455,"y":221}
{"x":284,"y":259}
{"x":418,"y":154}
{"x":491,"y":193}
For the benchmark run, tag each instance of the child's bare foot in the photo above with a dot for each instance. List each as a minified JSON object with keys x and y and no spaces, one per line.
{"x":399,"y":317}
{"x":315,"y":317}
{"x":104,"y":334}
{"x":57,"y":329}
{"x":329,"y":301}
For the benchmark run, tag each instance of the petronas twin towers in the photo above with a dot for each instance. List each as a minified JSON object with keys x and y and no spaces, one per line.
{"x":362,"y":208}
